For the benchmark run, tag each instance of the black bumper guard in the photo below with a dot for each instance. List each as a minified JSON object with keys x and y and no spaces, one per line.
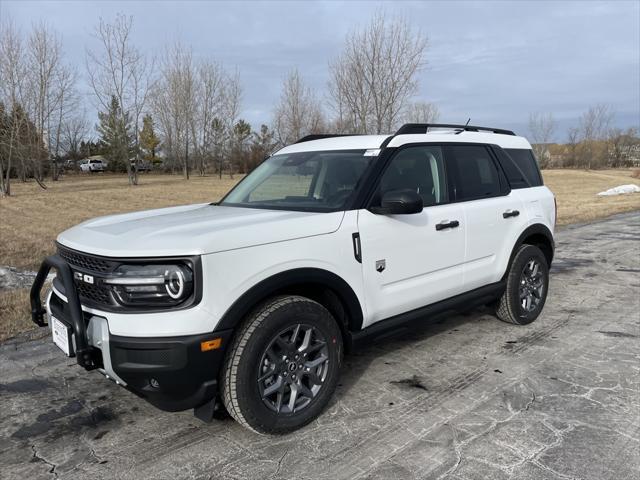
{"x":84,"y":353}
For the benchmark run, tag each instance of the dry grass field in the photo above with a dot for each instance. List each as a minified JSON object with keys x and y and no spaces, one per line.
{"x":31,"y":218}
{"x":576,"y":190}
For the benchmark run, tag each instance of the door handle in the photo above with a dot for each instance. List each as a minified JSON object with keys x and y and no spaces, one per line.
{"x":447,"y":224}
{"x":510,"y":213}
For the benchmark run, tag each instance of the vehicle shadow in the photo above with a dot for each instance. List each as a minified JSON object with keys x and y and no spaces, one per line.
{"x":357,"y":362}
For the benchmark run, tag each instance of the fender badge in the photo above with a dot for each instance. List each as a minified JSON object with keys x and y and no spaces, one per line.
{"x":381,"y":265}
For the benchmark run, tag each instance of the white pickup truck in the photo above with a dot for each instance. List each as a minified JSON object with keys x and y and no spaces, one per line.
{"x":254,"y":299}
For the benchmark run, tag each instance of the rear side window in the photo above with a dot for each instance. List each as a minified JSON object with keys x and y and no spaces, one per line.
{"x":520,"y":167}
{"x":476,"y":175}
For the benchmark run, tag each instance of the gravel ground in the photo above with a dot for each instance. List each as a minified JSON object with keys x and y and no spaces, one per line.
{"x":467,"y":398}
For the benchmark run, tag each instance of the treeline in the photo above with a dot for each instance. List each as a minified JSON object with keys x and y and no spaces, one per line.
{"x":592,"y":143}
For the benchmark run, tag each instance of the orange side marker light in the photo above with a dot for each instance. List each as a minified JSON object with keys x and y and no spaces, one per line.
{"x":210,"y":344}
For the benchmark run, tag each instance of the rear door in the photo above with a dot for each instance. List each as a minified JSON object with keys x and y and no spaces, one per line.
{"x":409,"y":261}
{"x":493,"y":215}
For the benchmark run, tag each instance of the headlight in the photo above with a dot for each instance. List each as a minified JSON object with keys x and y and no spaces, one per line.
{"x":151,"y":285}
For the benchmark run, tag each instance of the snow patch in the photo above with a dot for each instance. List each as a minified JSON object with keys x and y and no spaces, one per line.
{"x":621,"y":190}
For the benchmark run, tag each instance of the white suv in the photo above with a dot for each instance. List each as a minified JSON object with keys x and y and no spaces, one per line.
{"x":332,"y":240}
{"x":92,"y":166}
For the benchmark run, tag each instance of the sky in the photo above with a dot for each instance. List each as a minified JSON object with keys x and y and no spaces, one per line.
{"x":493,"y":62}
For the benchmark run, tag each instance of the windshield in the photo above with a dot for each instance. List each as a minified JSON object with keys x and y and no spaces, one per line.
{"x":314,"y":181}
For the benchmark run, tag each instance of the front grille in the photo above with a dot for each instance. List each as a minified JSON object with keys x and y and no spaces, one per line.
{"x":91,"y":294}
{"x":94,"y":293}
{"x":86,"y":261}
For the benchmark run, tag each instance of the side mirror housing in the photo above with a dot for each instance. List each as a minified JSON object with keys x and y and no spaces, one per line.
{"x":399,"y":202}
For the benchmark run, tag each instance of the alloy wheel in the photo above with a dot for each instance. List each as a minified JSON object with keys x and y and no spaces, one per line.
{"x":531,"y":286}
{"x":293,"y":368}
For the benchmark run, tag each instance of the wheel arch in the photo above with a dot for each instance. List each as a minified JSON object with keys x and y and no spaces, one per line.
{"x":322,"y":286}
{"x":538,"y":235}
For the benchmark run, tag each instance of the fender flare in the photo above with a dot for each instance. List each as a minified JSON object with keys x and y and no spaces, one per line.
{"x":535,"y":229}
{"x":290,"y":279}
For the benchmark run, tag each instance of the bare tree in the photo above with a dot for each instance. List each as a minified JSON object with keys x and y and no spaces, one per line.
{"x":44,"y":63}
{"x":298,"y":113}
{"x":211,"y":103}
{"x":223,"y":127}
{"x":12,"y":78}
{"x":375,"y":75}
{"x":422,"y":112}
{"x":66,"y":102}
{"x":74,"y":130}
{"x":117,"y":68}
{"x":175,"y":101}
{"x":621,"y":145}
{"x":542,"y":126}
{"x":594,"y":128}
{"x":573,"y":146}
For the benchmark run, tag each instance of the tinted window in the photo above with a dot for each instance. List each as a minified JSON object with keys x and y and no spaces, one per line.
{"x":522,"y":163}
{"x":420,"y":169}
{"x":476,"y":173}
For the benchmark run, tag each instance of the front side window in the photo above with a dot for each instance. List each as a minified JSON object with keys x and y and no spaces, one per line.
{"x":476,"y":175}
{"x":420,"y":169}
{"x":313,"y":181}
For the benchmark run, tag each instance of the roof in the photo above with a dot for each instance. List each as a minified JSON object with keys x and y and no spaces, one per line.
{"x":355,"y":142}
{"x":440,"y":136}
{"x":367,"y":142}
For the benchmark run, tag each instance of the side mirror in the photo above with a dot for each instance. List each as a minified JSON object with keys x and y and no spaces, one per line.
{"x":399,"y":202}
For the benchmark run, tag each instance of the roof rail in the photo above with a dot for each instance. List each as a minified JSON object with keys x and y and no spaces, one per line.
{"x":409,"y":128}
{"x":320,"y":136}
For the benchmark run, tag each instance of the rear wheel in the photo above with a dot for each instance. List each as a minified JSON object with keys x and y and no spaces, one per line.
{"x":526,"y":289}
{"x":283,"y":366}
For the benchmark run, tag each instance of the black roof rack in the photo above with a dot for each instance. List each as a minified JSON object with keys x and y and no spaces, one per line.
{"x":409,"y":128}
{"x":320,"y":136}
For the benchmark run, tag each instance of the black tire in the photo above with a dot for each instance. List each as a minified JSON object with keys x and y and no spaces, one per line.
{"x":512,"y":307}
{"x":252,"y":348}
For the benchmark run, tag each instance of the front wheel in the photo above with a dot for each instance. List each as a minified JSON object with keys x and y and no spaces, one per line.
{"x":527,"y":286}
{"x":283,"y":366}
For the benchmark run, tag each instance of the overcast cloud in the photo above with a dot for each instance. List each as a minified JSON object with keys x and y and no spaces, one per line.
{"x":492,"y":61}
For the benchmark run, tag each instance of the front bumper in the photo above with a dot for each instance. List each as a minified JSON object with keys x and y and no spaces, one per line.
{"x":171,"y":373}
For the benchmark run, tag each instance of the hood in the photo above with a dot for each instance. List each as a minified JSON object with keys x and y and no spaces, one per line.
{"x":193,"y":230}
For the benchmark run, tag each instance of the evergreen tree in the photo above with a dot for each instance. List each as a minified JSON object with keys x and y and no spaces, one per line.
{"x":116,"y":136}
{"x":241,"y":133}
{"x":262,"y":145}
{"x":149,"y":142}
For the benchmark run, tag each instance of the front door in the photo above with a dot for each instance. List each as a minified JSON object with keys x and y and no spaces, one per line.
{"x":410,"y":261}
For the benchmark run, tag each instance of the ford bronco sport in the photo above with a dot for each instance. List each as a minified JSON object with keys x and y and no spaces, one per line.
{"x":332,"y":240}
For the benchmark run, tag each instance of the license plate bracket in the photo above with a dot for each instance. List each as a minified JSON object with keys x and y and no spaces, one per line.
{"x":62,"y":336}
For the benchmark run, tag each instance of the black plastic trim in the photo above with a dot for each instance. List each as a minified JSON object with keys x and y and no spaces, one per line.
{"x":185,"y":376}
{"x":535,"y":229}
{"x":291,"y":279}
{"x":428,"y":314}
{"x":357,"y":247}
{"x":320,"y":136}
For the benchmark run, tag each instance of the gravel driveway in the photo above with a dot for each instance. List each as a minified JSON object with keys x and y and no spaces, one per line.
{"x":467,"y":398}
